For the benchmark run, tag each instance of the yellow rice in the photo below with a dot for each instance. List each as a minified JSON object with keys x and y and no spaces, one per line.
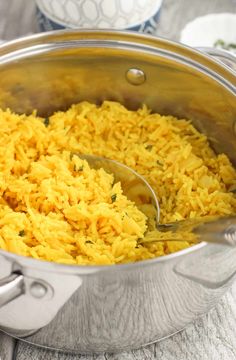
{"x":54,"y":207}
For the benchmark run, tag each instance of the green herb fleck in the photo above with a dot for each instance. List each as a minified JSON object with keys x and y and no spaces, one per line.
{"x":46,"y":121}
{"x":71,"y":155}
{"x":159,"y":163}
{"x":223,"y":45}
{"x":149,"y":147}
{"x":22,"y":233}
{"x":219,"y":42}
{"x":88,"y":242}
{"x":113,"y":197}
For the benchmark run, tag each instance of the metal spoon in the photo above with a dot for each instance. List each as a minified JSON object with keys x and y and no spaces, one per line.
{"x":134,"y":186}
{"x":218,"y":230}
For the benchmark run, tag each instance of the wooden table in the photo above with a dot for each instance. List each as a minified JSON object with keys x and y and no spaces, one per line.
{"x":212,"y":337}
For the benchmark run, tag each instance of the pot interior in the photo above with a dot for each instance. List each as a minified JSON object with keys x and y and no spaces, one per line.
{"x":51,"y":72}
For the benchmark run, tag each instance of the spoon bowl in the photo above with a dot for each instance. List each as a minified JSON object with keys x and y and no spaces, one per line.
{"x":217,"y":230}
{"x":134,"y":186}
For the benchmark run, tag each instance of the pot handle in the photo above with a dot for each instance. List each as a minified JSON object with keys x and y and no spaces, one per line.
{"x":11,"y":287}
{"x":208,"y":284}
{"x":224,"y":56}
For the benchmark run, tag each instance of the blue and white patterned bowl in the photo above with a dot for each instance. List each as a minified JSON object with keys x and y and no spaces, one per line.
{"x":139,"y":15}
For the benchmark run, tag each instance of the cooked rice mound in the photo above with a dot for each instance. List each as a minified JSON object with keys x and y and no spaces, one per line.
{"x":54,"y":207}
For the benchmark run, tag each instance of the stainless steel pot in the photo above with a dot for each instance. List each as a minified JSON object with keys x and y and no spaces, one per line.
{"x":100,"y":308}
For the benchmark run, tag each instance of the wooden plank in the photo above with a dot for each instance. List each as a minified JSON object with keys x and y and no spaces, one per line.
{"x":17,"y":18}
{"x":4,"y":10}
{"x":7,"y":345}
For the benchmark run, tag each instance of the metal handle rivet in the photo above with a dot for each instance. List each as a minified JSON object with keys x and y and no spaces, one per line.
{"x":38,"y":290}
{"x":135,"y":76}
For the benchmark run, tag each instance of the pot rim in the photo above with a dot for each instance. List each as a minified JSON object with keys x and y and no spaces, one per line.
{"x":125,"y":35}
{"x":36,"y":44}
{"x":88,"y":269}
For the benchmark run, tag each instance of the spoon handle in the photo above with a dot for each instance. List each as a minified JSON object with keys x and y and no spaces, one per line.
{"x":220,"y":230}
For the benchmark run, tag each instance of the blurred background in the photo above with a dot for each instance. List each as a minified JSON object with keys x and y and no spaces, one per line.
{"x":165,"y":18}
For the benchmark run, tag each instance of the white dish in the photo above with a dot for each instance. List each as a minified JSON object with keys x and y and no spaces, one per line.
{"x":208,"y":29}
